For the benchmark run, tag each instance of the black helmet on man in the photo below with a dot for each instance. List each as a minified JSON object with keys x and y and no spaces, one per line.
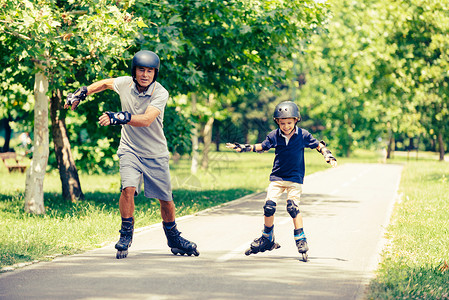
{"x":286,"y":109}
{"x":145,"y":58}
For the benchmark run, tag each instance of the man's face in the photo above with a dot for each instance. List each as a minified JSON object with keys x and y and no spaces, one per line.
{"x":145,"y":75}
{"x":287,"y":125}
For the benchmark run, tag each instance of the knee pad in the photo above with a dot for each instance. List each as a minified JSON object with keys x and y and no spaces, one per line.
{"x":269,"y":208}
{"x":292,"y":208}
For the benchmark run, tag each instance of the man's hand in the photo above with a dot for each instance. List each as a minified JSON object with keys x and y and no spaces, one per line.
{"x":114,"y":118}
{"x":73,"y":100}
{"x":239,"y":147}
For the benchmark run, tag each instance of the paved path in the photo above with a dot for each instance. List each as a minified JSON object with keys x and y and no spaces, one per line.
{"x":345,"y":212}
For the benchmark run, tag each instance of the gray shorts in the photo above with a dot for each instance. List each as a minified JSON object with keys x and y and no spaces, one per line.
{"x":155,"y":173}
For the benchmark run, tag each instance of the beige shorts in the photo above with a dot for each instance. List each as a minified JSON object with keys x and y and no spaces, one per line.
{"x":276,"y":188}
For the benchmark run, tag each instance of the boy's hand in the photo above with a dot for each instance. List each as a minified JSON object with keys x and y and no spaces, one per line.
{"x":333,"y":163}
{"x":328,"y":157}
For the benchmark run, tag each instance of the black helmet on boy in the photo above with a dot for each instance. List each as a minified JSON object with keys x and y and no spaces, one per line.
{"x":145,"y":58}
{"x":286,"y":109}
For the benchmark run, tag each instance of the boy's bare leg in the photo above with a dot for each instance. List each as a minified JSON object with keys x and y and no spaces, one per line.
{"x":268,"y":221}
{"x":297,"y":221}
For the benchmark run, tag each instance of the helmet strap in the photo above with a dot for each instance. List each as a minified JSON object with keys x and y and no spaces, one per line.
{"x":138,"y":85}
{"x":135,"y":80}
{"x":291,"y":130}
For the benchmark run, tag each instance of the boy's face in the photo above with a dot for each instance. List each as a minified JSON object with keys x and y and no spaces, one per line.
{"x":144,"y":75}
{"x":287,"y":125}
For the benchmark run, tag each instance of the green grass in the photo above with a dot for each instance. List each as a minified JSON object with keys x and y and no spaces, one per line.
{"x":68,"y":228}
{"x":414,"y":265}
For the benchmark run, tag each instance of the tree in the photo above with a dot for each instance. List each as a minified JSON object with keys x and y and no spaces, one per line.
{"x":57,"y":40}
{"x":337,"y":67}
{"x":211,"y":48}
{"x":34,"y":191}
{"x":422,"y":60}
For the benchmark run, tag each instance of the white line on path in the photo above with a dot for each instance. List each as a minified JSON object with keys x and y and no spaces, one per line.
{"x":350,"y":181}
{"x":237,"y":251}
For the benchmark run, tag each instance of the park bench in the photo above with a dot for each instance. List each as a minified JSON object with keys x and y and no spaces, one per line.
{"x":7,"y":157}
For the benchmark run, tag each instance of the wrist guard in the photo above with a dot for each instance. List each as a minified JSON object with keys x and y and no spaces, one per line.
{"x":326,"y":152}
{"x":243,"y":148}
{"x":119,"y":118}
{"x":72,"y":97}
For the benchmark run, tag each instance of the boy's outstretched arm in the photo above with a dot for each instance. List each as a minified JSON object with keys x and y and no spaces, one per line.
{"x":330,"y":159}
{"x":244,"y":147}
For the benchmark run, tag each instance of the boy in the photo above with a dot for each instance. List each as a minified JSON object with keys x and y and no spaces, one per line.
{"x":142,"y":152}
{"x":287,"y":174}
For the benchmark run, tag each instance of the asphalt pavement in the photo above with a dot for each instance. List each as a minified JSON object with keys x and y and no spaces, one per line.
{"x":345,"y":210}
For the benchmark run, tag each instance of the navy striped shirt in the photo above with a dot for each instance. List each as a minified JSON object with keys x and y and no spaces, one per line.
{"x":288,"y":162}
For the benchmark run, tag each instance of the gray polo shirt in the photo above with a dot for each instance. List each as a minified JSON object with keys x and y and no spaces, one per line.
{"x":148,"y":142}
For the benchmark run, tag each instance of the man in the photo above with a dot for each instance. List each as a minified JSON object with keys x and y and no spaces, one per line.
{"x":143,"y":149}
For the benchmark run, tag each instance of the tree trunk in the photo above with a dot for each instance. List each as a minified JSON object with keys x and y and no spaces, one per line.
{"x":195,"y":155}
{"x":8,"y":132}
{"x":261,"y":135}
{"x":207,"y":142}
{"x":217,"y":137}
{"x":71,"y":187}
{"x":245,"y":129}
{"x":390,"y":148}
{"x":207,"y":136}
{"x":411,"y":146}
{"x":34,"y":186}
{"x":417,"y":146}
{"x":441,"y":145}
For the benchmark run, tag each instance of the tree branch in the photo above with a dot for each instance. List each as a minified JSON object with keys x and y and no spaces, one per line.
{"x":13,"y":32}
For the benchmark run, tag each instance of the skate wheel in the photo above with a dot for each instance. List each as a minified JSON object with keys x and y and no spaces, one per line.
{"x":196,"y":253}
{"x":305,"y":257}
{"x":121,"y":254}
{"x":248,"y":252}
{"x":177,"y":251}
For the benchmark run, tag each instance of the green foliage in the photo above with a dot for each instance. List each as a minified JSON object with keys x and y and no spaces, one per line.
{"x":178,"y":130}
{"x":16,"y":97}
{"x":218,"y":46}
{"x":205,"y":47}
{"x":94,"y":146}
{"x":226,"y":48}
{"x":379,"y":71}
{"x":421,"y":56}
{"x":338,"y":70}
{"x":75,"y":42}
